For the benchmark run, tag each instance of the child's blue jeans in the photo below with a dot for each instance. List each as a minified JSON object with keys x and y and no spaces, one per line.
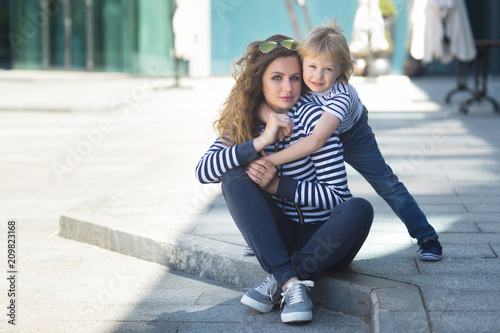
{"x":361,"y":151}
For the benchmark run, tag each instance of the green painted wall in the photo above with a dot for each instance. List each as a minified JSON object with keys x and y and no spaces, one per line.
{"x":132,"y":36}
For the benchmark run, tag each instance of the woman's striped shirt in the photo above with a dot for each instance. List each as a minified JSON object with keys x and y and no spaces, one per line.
{"x":309,"y":188}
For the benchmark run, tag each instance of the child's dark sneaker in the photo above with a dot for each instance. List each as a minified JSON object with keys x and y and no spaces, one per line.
{"x":431,"y":250}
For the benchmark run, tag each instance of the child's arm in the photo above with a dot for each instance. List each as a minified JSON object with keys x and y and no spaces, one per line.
{"x":325,"y":127}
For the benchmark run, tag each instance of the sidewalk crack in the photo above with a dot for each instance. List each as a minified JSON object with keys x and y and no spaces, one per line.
{"x":198,"y":298}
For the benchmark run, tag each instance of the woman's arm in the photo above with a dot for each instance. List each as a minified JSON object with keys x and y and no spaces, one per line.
{"x":324,"y":128}
{"x":277,"y":123}
{"x":265,"y":112}
{"x":220,"y":158}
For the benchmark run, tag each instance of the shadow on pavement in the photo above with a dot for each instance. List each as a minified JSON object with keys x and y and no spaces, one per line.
{"x":450,"y":164}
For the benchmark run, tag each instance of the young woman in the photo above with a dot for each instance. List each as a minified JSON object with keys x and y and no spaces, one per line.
{"x":300,"y":218}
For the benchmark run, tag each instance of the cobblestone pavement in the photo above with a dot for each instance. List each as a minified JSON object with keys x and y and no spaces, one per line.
{"x":121,"y":144}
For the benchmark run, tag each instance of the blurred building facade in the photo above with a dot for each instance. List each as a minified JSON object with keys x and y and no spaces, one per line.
{"x":131,"y":36}
{"x":137,"y":36}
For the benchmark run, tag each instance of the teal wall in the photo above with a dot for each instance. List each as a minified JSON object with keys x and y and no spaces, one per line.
{"x":236,"y":23}
{"x":400,"y":36}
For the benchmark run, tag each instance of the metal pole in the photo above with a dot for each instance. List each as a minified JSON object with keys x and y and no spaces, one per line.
{"x":303,"y":4}
{"x":90,"y":34}
{"x":45,"y":34}
{"x":294,"y":19}
{"x":371,"y":58}
{"x":176,"y":58}
{"x":67,"y":34}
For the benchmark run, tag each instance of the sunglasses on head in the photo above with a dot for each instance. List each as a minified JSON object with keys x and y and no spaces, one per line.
{"x":267,"y":47}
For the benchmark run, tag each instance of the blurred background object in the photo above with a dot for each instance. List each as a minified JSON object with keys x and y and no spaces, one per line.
{"x":371,"y":43}
{"x":99,"y":35}
{"x":201,"y":38}
{"x":441,"y":31}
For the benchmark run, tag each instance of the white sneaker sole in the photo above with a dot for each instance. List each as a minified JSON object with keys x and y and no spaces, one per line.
{"x":264,"y":308}
{"x":296,"y":317}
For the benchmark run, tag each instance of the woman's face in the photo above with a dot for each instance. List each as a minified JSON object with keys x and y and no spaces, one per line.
{"x":281,"y":83}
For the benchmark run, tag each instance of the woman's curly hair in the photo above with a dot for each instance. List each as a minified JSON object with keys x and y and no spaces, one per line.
{"x":238,"y":117}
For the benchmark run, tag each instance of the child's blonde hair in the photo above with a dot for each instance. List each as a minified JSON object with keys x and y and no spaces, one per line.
{"x":327,"y":42}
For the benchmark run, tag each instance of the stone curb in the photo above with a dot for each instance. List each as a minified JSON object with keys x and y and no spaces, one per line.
{"x":390,"y":306}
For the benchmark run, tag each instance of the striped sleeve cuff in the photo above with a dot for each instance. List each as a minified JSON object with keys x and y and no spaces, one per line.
{"x":245,"y":152}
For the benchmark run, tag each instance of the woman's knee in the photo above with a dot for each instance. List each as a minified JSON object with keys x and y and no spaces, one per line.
{"x":234,"y":173}
{"x":232,"y":178}
{"x":361,"y":202}
{"x":362,"y":207}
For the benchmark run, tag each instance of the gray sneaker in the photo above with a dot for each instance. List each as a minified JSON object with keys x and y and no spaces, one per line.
{"x":263,"y":297}
{"x":298,"y":305}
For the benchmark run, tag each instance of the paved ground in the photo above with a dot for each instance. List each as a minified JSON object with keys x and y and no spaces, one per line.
{"x":61,"y":156}
{"x":119,"y":147}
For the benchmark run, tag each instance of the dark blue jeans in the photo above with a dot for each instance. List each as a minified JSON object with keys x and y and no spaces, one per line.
{"x":362,"y":153}
{"x":286,"y":248}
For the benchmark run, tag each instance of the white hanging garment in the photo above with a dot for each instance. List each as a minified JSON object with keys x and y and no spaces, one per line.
{"x":417,"y":20}
{"x":462,"y":44}
{"x":447,"y":32}
{"x":368,"y":32}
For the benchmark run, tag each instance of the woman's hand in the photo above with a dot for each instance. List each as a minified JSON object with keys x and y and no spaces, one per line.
{"x":263,"y":173}
{"x":278,"y":126}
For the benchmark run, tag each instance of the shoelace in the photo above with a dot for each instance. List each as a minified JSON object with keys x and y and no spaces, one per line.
{"x":295,"y":292}
{"x":268,"y":287}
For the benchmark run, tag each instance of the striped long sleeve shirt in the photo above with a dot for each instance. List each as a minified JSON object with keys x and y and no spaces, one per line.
{"x":309,"y":188}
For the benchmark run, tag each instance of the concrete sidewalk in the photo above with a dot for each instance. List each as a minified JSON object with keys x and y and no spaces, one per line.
{"x":121,"y":177}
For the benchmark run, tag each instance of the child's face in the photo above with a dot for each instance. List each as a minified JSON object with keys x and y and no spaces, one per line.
{"x":319,"y":74}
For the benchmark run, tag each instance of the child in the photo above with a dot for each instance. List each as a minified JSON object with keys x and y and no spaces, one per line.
{"x":326,"y":66}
